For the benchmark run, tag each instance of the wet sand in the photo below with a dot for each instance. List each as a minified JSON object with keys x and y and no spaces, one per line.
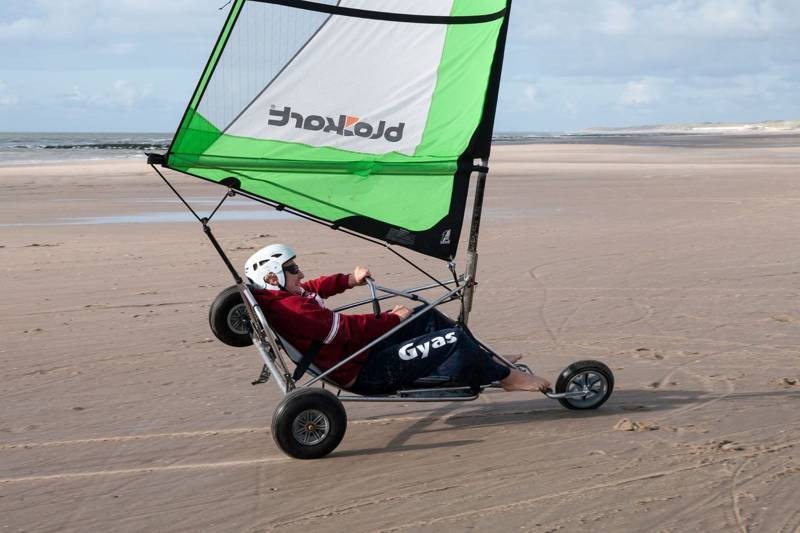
{"x":678,"y":267}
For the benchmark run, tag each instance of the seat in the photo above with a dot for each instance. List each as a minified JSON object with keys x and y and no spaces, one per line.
{"x":419,"y":388}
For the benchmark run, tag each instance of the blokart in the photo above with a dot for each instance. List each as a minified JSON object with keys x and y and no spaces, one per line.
{"x":310,"y":421}
{"x":395,"y":171}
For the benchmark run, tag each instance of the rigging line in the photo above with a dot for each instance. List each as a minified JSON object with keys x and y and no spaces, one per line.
{"x":305,"y":216}
{"x":288,"y":189}
{"x":462,"y":310}
{"x":228,"y":193}
{"x":280,"y":207}
{"x":334,"y":226}
{"x":385,"y":15}
{"x":177,"y":194}
{"x":395,"y":252}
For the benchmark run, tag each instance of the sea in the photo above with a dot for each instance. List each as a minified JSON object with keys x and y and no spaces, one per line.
{"x":33,"y":148}
{"x":37,"y":148}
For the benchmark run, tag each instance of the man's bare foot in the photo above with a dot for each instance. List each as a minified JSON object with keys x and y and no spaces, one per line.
{"x":521,"y":381}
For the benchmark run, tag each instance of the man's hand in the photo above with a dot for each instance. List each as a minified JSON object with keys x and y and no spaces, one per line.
{"x":359,"y":276}
{"x":402,"y":311}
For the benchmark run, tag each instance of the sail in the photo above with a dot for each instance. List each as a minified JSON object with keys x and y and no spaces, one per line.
{"x":368,"y":114}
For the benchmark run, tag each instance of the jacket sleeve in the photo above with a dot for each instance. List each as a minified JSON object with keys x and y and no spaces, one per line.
{"x":304,"y":318}
{"x":327,"y":286}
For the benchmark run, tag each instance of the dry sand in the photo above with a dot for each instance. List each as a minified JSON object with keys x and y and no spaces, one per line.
{"x":678,"y":267}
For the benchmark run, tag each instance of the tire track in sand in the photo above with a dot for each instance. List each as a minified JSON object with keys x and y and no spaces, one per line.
{"x":554,"y":335}
{"x":737,"y":509}
{"x":583,"y":490}
{"x":142,"y":470}
{"x":203,"y":433}
{"x":525,"y":503}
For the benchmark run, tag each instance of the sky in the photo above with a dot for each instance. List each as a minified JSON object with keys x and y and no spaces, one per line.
{"x":131,"y":65}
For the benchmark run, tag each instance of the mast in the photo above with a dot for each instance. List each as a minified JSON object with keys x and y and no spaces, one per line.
{"x":472,"y":248}
{"x":483,"y":140}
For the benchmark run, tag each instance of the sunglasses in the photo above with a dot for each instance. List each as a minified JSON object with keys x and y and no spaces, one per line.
{"x":292,"y":269}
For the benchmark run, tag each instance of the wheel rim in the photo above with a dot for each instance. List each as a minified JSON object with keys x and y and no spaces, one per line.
{"x":310,"y":427}
{"x":238,"y":321}
{"x":592,"y":382}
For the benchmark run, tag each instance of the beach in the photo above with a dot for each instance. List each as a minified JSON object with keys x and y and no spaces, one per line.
{"x":677,"y":266}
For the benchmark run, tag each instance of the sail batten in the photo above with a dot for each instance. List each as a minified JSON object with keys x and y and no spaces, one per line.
{"x":366,"y":114}
{"x":386,"y":15}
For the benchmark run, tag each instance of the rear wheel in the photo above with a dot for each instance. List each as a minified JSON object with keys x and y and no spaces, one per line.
{"x":591,"y":377}
{"x":228,"y":318}
{"x":309,"y":423}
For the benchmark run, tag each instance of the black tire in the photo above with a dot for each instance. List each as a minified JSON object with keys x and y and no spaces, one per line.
{"x":309,"y":423}
{"x":594,"y":374}
{"x":228,"y":318}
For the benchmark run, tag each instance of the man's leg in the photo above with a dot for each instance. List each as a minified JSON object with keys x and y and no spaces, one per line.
{"x":493,"y":371}
{"x":400,"y":364}
{"x":522,"y":381}
{"x":450,"y":352}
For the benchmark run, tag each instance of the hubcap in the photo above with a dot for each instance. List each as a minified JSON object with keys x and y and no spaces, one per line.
{"x":593,"y":384}
{"x":238,"y":322}
{"x":310,"y":427}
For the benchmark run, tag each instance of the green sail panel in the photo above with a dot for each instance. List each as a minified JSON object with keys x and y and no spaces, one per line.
{"x":365,"y":114}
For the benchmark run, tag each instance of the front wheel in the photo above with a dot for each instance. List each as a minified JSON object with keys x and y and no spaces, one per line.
{"x":309,"y":423}
{"x":228,"y":318}
{"x":591,"y":377}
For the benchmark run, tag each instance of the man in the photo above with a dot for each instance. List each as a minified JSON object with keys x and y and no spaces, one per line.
{"x":430,"y":345}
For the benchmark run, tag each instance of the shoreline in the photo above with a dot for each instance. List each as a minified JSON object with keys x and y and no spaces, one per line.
{"x":682,"y":139}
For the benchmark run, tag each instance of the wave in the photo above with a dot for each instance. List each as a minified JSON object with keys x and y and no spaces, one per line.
{"x":105,"y":146}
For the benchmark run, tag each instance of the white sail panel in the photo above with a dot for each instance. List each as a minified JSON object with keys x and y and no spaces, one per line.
{"x":359,"y":84}
{"x":266,"y":37}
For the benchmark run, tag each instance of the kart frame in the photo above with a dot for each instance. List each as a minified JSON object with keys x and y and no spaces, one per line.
{"x":310,"y":422}
{"x":271,"y":347}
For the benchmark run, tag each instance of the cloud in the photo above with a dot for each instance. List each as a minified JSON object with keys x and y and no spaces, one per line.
{"x":120,"y":49}
{"x":723,"y":18}
{"x":128,"y":94}
{"x":96,"y":21}
{"x":617,"y":19}
{"x":545,"y":19}
{"x":120,"y":94}
{"x":7,"y":99}
{"x":20,"y":29}
{"x":530,"y":94}
{"x":640,"y":93}
{"x":523,"y":96}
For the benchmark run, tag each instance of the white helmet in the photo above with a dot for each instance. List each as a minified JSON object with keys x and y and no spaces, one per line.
{"x":264,"y":269}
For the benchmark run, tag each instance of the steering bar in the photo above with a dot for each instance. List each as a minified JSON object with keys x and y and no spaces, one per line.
{"x":376,"y":306}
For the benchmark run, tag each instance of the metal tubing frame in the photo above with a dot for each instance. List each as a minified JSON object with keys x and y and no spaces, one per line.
{"x":396,"y":398}
{"x":391,"y":293}
{"x":270,"y":353}
{"x":385,"y":335}
{"x":567,"y":395}
{"x":472,"y":248}
{"x":281,"y":375}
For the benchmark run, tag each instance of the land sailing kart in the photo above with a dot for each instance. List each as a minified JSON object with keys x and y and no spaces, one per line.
{"x":387,"y":156}
{"x":310,"y":422}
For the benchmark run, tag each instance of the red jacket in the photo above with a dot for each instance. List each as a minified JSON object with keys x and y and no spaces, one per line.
{"x":305,"y":319}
